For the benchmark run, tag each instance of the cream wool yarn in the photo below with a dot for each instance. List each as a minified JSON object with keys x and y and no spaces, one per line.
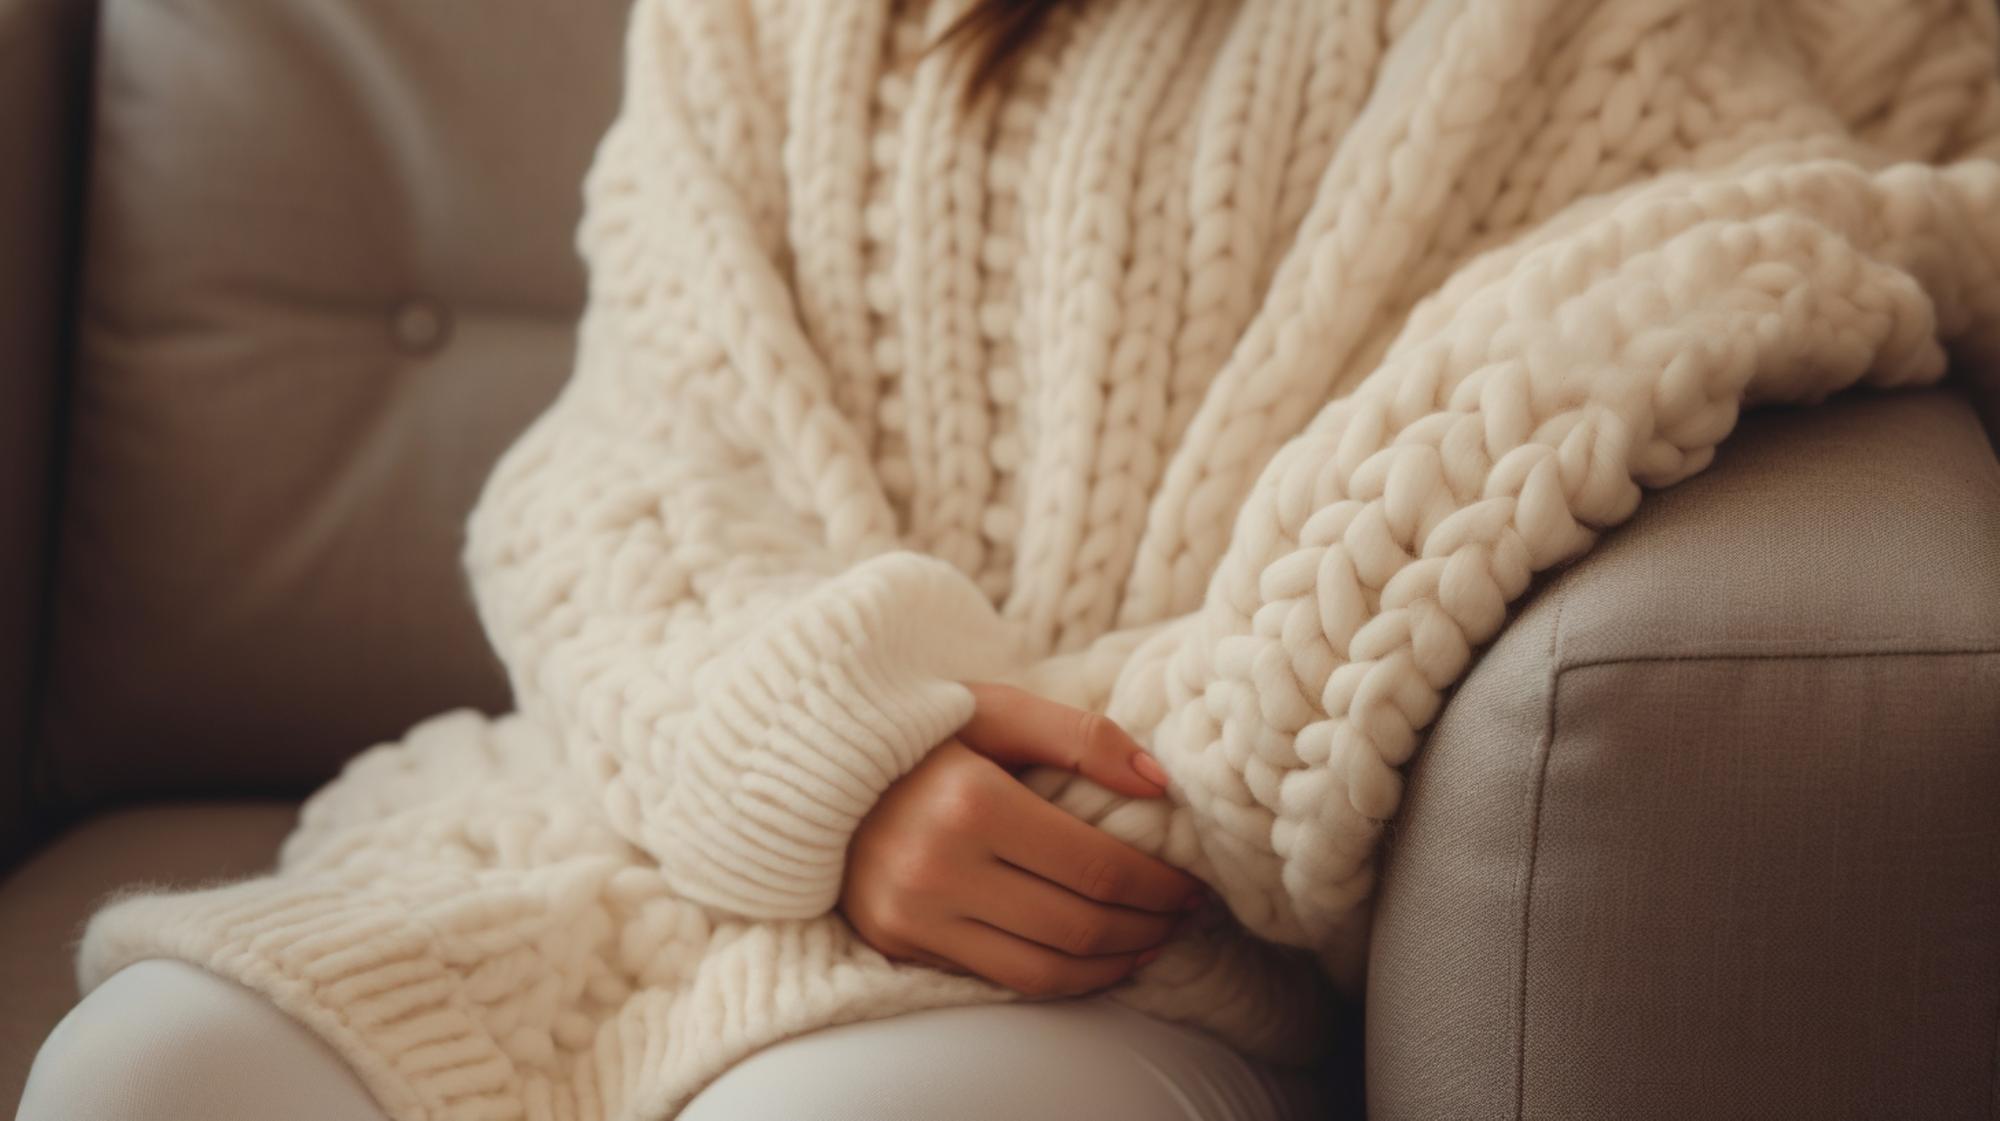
{"x":1231,"y":375}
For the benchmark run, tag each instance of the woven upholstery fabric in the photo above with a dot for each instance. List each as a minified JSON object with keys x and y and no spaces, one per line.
{"x":1709,"y":829}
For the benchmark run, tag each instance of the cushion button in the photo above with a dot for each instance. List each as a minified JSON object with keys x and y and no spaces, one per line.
{"x":419,"y":325}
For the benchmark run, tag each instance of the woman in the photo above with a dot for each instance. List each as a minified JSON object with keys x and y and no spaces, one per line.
{"x":1224,"y":369}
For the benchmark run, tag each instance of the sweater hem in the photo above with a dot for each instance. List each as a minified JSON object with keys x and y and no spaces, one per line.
{"x":368,"y":981}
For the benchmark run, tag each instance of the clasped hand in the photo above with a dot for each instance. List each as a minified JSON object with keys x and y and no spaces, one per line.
{"x":961,"y":866}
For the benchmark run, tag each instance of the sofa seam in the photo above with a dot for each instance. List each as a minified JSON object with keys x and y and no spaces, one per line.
{"x":1780,"y":656}
{"x":1552,"y":686}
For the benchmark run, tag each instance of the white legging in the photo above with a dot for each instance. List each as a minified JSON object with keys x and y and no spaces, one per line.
{"x":166,"y":1041}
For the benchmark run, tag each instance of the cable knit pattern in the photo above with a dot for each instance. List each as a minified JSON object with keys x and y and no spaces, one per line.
{"x":1232,"y":373}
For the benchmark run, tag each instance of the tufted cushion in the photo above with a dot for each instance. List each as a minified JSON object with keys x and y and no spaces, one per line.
{"x":330,"y":275}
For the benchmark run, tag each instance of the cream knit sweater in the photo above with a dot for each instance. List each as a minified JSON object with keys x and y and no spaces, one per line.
{"x":1232,"y":375}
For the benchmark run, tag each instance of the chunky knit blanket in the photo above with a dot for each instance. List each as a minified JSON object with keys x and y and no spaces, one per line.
{"x":1231,"y":373}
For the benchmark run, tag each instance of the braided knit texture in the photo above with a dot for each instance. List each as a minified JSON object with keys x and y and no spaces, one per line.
{"x":1232,"y":372}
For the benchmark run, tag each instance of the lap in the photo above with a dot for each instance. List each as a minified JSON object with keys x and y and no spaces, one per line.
{"x":162,"y":1040}
{"x":1087,"y":1057}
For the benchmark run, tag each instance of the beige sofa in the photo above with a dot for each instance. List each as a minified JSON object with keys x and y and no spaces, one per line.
{"x":1714,"y":830}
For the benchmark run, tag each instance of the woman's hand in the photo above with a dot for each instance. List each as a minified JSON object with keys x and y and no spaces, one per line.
{"x":962,"y":867}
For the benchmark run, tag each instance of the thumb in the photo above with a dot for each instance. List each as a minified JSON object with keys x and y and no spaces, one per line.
{"x":1016,"y":728}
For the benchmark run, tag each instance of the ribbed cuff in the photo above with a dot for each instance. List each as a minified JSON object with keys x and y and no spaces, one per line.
{"x":815,"y":714}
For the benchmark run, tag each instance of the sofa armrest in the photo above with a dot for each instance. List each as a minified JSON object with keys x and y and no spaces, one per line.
{"x":45,"y":48}
{"x":1712,"y":829}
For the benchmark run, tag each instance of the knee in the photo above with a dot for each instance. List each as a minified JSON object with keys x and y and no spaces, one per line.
{"x":150,"y":1043}
{"x":1023,"y":1060}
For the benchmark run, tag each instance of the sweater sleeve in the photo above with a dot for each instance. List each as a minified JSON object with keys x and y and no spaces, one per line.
{"x":687,"y":565}
{"x":1517,"y":417}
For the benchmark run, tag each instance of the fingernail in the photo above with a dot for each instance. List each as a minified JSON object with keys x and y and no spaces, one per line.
{"x":1149,"y":768}
{"x":1148,"y":956}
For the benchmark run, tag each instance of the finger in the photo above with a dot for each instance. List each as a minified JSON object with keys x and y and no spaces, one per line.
{"x":1031,"y":969}
{"x":1015,"y":727}
{"x":1028,"y":906}
{"x":1034,"y":835}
